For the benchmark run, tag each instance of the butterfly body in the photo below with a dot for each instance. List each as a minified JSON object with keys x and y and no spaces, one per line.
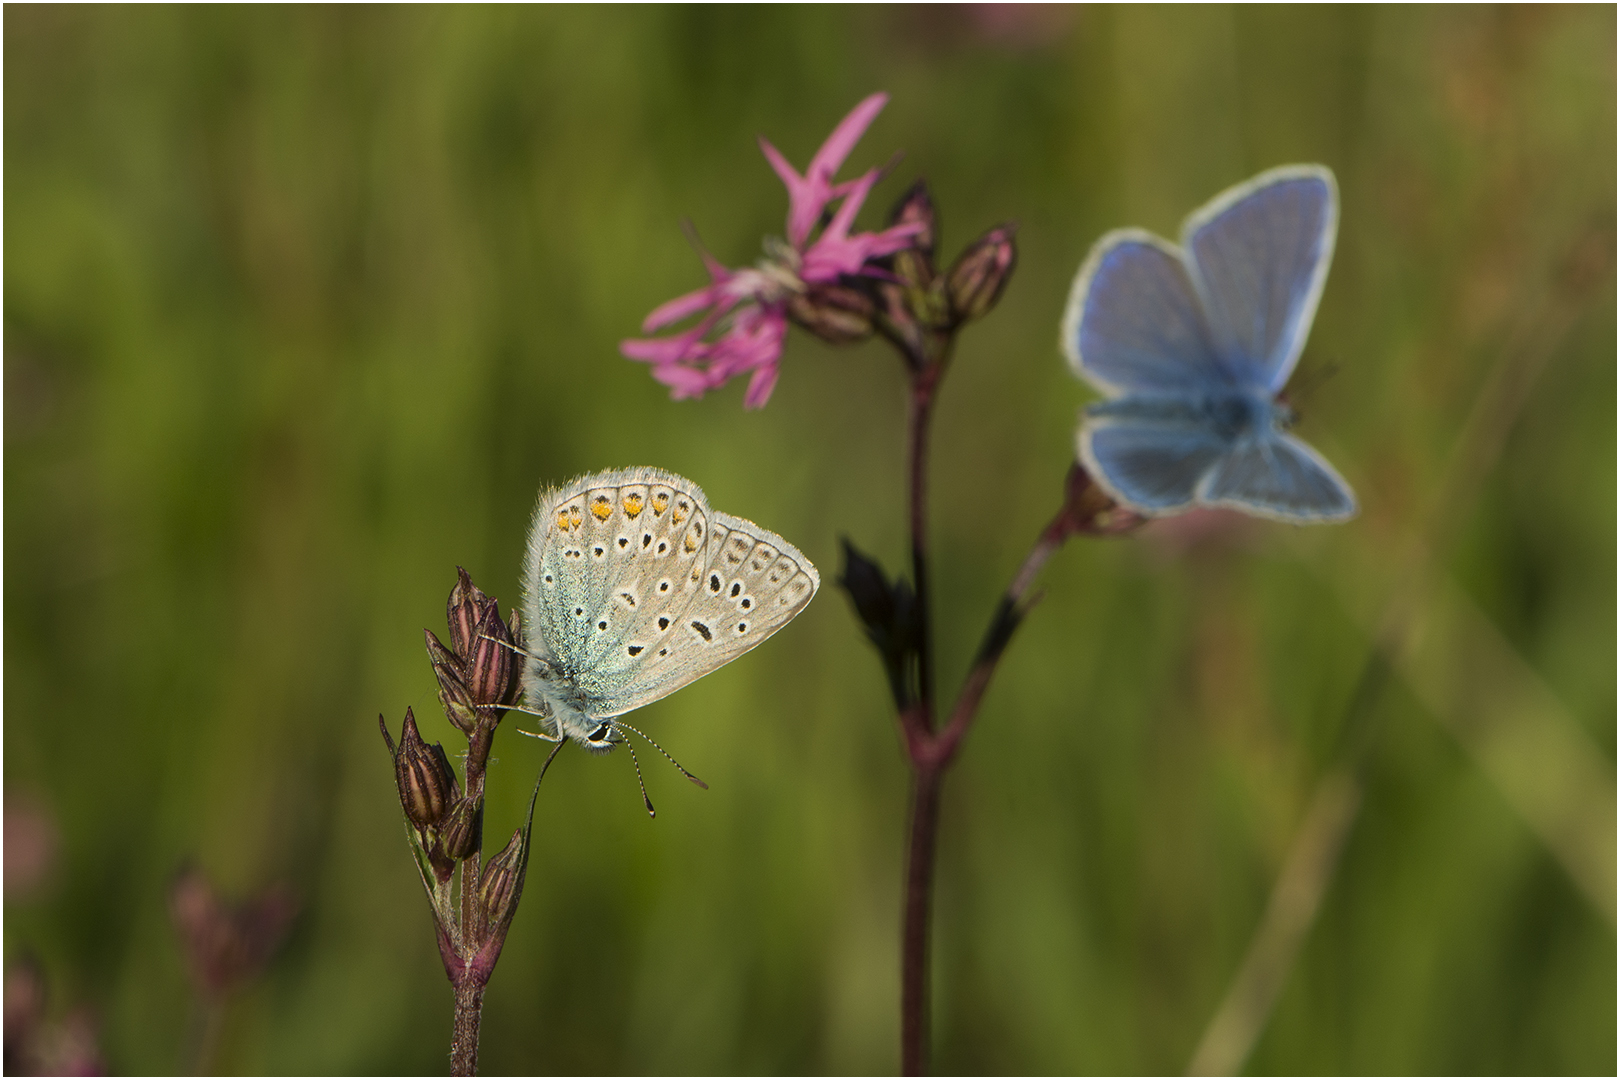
{"x":1192,"y":345}
{"x":634,"y":587}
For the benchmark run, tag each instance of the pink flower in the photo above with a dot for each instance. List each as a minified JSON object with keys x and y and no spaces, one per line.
{"x":746,"y":311}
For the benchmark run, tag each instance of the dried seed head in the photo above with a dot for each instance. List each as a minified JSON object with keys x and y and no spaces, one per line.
{"x":460,"y":831}
{"x":427,"y":785}
{"x":498,"y":888}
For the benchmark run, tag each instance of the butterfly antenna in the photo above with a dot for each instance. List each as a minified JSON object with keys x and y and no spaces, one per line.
{"x":661,"y":750}
{"x":650,"y":811}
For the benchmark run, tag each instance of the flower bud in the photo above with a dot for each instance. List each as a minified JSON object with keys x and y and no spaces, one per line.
{"x":1089,"y":510}
{"x":836,"y":314}
{"x":974,"y":284}
{"x":427,"y":785}
{"x":498,"y":887}
{"x":914,"y":266}
{"x":462,"y":828}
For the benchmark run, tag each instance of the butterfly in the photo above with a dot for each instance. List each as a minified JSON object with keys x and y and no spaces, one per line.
{"x":634,"y":587}
{"x":1191,"y":346}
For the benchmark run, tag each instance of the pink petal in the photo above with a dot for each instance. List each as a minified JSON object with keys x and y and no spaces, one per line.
{"x":656,"y":350}
{"x":839,"y":226}
{"x":844,"y":137}
{"x":760,"y":386}
{"x":673,"y":311}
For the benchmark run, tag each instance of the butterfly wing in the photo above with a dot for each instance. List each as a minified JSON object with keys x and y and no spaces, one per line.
{"x":752,"y":584}
{"x":1280,"y":477}
{"x":1260,"y":254}
{"x":609,"y":555}
{"x":1153,"y":466}
{"x":1134,"y":322}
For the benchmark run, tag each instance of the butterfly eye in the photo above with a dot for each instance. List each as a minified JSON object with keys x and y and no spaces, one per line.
{"x":600,"y":734}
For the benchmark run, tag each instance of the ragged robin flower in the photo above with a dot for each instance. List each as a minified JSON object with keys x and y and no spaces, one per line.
{"x":746,"y":311}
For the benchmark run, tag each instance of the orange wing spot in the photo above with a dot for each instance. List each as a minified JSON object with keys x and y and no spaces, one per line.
{"x":680,"y":515}
{"x":601,"y":508}
{"x":660,"y":502}
{"x":691,"y":543}
{"x":562,"y":519}
{"x":633,"y":504}
{"x":574,"y":517}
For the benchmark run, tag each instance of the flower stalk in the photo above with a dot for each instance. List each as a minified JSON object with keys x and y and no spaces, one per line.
{"x":843,"y":286}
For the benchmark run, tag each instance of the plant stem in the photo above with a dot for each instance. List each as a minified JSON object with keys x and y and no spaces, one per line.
{"x":914,"y":1003}
{"x":924,"y":384}
{"x":464,"y":1039}
{"x":931,"y":753}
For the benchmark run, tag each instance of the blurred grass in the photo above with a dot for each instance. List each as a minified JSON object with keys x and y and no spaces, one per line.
{"x":303,"y":305}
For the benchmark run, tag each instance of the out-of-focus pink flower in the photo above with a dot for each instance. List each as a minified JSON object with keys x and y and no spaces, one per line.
{"x":745,"y":312}
{"x":30,"y":844}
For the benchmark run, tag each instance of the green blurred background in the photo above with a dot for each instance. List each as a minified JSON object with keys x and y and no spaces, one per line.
{"x":302,"y":305}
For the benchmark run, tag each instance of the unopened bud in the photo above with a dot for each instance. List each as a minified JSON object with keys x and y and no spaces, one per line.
{"x":1090,"y":510}
{"x":498,"y":887}
{"x":836,"y":314}
{"x":914,"y":266}
{"x":427,"y":786}
{"x":975,"y":282}
{"x":460,"y":831}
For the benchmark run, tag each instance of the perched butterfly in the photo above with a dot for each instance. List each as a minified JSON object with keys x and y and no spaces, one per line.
{"x":1192,"y":345}
{"x":633,"y":588}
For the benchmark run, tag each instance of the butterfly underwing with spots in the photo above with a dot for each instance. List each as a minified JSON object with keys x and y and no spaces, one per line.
{"x":634,"y":587}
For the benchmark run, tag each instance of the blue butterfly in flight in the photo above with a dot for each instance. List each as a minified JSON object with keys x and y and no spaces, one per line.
{"x":1190,"y":346}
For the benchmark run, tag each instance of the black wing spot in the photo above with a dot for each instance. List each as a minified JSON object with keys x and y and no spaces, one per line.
{"x":548,"y":579}
{"x":579,"y":611}
{"x":663,"y":546}
{"x":747,"y":603}
{"x":598,"y":551}
{"x":742,"y":628}
{"x":635,"y":650}
{"x":624,"y":541}
{"x":602,"y":625}
{"x":663,"y":586}
{"x":628,"y":598}
{"x":736,"y":587}
{"x":663,"y":652}
{"x":702,"y":630}
{"x":663,"y":622}
{"x":646,"y":538}
{"x":714,"y":583}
